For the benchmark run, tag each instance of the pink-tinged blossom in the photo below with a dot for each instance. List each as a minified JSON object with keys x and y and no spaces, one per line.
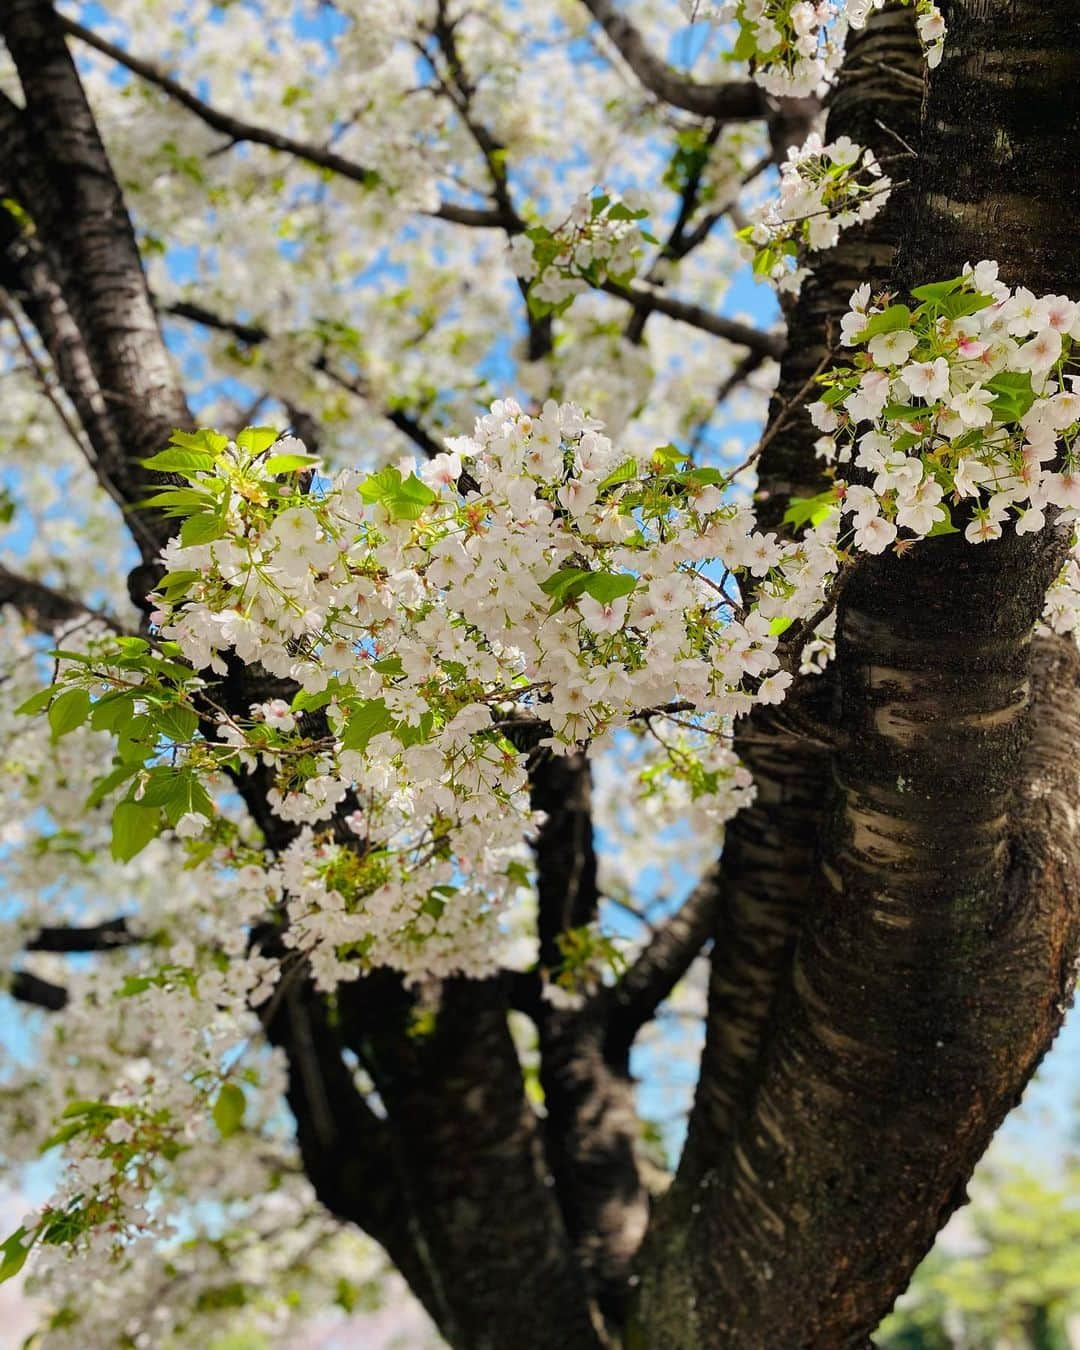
{"x":603,"y":617}
{"x":1040,"y":354}
{"x":874,"y":534}
{"x":928,"y":380}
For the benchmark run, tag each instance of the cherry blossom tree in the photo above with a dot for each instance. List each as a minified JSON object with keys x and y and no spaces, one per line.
{"x":399,"y":619}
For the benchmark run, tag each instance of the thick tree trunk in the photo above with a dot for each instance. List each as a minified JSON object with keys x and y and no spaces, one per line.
{"x":937,"y":953}
{"x":771,"y":846}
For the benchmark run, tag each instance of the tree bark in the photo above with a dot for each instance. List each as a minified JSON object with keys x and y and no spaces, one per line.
{"x":65,"y":182}
{"x":487,"y":1218}
{"x":771,"y":846}
{"x":937,"y":956}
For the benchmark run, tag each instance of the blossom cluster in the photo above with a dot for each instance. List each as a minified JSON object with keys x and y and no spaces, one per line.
{"x":796,"y":46}
{"x":532,"y":585}
{"x":600,"y":240}
{"x":176,"y":1026}
{"x":967,"y":402}
{"x":823,"y":189}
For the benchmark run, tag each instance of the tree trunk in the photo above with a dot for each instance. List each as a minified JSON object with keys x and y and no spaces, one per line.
{"x":936,"y":955}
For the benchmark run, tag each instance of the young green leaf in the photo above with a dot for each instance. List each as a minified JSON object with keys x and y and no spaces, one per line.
{"x":366,"y":720}
{"x":133,"y":827}
{"x":68,"y":711}
{"x":13,"y":1253}
{"x":202,"y":528}
{"x":289,"y":464}
{"x":228,"y":1109}
{"x":256,"y":439}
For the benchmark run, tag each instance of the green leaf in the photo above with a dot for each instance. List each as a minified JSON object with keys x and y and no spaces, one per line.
{"x":13,"y":1254}
{"x":68,"y":711}
{"x":202,"y":528}
{"x":936,"y":291}
{"x":626,"y":471}
{"x":903,"y":412}
{"x":133,"y":827}
{"x":256,"y":439}
{"x":1014,"y":394}
{"x":134,"y":739}
{"x":82,"y":1108}
{"x":763,"y":262}
{"x":890,"y":320}
{"x":182,"y":500}
{"x":566,"y":583}
{"x":943,"y":526}
{"x":228,"y":1110}
{"x":607,"y":586}
{"x":302,"y":701}
{"x":166,"y":787}
{"x":703,"y":476}
{"x":195,"y":798}
{"x":177,"y":722}
{"x":175,"y":460}
{"x":289,"y":464}
{"x":35,"y":703}
{"x":174,"y":584}
{"x":209,"y":441}
{"x":957,"y":306}
{"x":837,"y":393}
{"x":61,"y":1136}
{"x":366,"y":720}
{"x":409,"y":733}
{"x":746,"y":44}
{"x":109,"y":783}
{"x":620,"y":211}
{"x":780,"y":625}
{"x":376,"y":486}
{"x":411,"y":499}
{"x":812,"y":510}
{"x":113,"y":710}
{"x":670,"y":455}
{"x":402,"y":499}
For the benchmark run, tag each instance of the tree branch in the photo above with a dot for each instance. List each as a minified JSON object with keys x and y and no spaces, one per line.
{"x":98,"y":937}
{"x":732,"y":101}
{"x":26,"y":276}
{"x":936,"y":940}
{"x":45,"y":608}
{"x":650,"y":298}
{"x":565,"y":859}
{"x":253,"y":334}
{"x":662,"y":963}
{"x":477,"y":1179}
{"x":238,"y":131}
{"x":27,"y":988}
{"x":460,"y":90}
{"x":591,"y":1127}
{"x":770,"y":847}
{"x":348,"y":1152}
